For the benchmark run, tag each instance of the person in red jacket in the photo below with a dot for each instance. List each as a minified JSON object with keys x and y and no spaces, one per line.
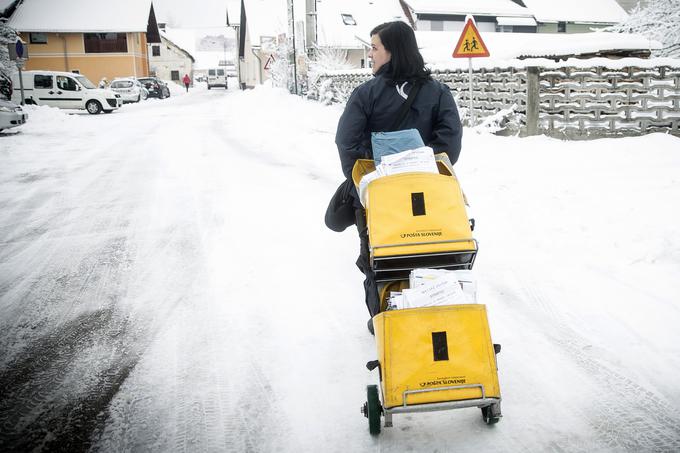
{"x":187,"y":81}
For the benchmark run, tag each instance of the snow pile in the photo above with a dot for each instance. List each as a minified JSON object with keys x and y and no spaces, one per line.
{"x":45,"y":120}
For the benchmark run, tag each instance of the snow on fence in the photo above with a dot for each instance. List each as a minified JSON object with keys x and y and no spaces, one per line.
{"x":565,"y":102}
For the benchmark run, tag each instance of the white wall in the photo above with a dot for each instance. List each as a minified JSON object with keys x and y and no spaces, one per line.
{"x":170,"y":59}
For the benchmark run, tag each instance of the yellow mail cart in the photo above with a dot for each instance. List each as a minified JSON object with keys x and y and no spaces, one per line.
{"x":430,"y":358}
{"x":416,"y":220}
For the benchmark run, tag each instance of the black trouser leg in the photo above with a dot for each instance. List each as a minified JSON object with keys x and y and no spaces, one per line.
{"x":364,"y":265}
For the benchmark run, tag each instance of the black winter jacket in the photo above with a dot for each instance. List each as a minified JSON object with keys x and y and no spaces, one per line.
{"x":374,"y":106}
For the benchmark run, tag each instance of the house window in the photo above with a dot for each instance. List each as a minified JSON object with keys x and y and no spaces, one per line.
{"x":105,"y":42}
{"x":37,"y":38}
{"x":347,"y":19}
{"x":42,"y":81}
{"x":156,"y":51}
{"x":174,"y":75}
{"x":437,"y":25}
{"x":561,"y":27}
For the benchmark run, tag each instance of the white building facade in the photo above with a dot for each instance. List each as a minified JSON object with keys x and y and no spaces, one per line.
{"x":168,"y":61}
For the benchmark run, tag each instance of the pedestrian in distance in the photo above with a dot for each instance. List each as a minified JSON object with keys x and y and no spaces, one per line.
{"x":187,"y":81}
{"x":397,"y":68}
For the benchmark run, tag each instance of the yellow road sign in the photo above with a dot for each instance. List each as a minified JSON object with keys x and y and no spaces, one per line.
{"x":470,"y":43}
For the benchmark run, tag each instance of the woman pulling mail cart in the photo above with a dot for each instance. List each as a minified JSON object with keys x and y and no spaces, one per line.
{"x":398,"y":139}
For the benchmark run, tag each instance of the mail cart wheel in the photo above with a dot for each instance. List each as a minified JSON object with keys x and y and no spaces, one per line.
{"x":372,"y":409}
{"x":491,"y":414}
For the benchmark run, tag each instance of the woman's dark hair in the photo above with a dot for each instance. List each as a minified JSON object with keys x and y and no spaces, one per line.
{"x":406,"y":63}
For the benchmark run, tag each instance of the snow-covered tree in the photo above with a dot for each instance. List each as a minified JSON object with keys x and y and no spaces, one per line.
{"x":281,"y":70}
{"x":7,"y":36}
{"x":324,"y":60}
{"x":658,"y":20}
{"x":7,"y":67}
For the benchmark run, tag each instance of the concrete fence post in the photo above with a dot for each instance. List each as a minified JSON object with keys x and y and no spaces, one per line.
{"x":532,"y":100}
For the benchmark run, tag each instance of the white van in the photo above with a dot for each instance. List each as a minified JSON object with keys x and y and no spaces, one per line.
{"x":65,"y":90}
{"x":217,"y":77}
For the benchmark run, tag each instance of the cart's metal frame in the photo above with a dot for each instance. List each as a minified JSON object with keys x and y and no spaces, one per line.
{"x":386,"y":271}
{"x":440,"y":406}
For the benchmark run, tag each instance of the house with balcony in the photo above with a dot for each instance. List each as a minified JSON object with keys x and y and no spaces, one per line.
{"x":76,"y":36}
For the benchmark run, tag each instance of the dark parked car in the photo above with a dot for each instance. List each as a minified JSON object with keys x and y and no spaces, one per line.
{"x":156,"y":87}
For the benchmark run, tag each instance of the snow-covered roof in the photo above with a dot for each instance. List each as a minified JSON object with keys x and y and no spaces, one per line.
{"x":168,"y":40}
{"x":480,"y":7}
{"x":82,"y":16}
{"x":580,"y":11}
{"x":437,"y":46}
{"x":185,"y":39}
{"x":264,"y":19}
{"x":360,"y":18}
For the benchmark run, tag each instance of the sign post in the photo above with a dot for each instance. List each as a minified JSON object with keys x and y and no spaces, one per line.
{"x":470,"y":45}
{"x":19,"y":54}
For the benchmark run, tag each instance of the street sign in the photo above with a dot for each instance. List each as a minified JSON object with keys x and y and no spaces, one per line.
{"x":470,"y":43}
{"x":17,"y":51}
{"x":19,"y":47}
{"x":270,"y":61}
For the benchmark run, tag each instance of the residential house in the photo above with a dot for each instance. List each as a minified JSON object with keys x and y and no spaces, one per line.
{"x":95,"y":38}
{"x":449,"y":15}
{"x":169,"y":61}
{"x":575,"y":16}
{"x":346,"y":26}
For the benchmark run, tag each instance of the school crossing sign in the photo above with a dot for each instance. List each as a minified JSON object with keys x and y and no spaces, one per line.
{"x":470,"y":43}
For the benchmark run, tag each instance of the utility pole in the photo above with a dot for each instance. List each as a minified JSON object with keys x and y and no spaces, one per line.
{"x":311,"y":27}
{"x":291,"y":29}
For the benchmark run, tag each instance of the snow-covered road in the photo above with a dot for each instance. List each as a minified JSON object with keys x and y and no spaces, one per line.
{"x":167,"y":284}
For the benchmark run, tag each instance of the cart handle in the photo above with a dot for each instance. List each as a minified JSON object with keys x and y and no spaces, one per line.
{"x":450,"y":241}
{"x":443,"y":389}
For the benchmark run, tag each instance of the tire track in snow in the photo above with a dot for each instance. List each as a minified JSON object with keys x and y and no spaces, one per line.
{"x":53,"y":395}
{"x":69,"y":346}
{"x":627,"y":416}
{"x":213,"y":396}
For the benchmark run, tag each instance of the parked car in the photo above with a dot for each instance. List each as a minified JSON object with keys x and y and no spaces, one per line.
{"x":217,"y":77}
{"x":130,"y":90}
{"x":156,"y":87}
{"x":11,"y":115}
{"x":65,"y":90}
